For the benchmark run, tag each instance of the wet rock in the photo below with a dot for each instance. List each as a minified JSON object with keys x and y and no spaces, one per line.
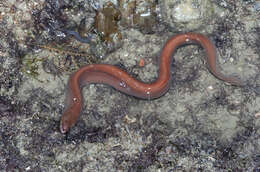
{"x":186,"y":15}
{"x":139,"y":14}
{"x":106,"y":22}
{"x":106,"y":27}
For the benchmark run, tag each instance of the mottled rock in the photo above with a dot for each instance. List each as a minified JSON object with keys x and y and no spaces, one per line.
{"x":186,"y":15}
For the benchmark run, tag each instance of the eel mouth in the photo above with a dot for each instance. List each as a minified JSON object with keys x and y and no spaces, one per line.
{"x":63,"y":128}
